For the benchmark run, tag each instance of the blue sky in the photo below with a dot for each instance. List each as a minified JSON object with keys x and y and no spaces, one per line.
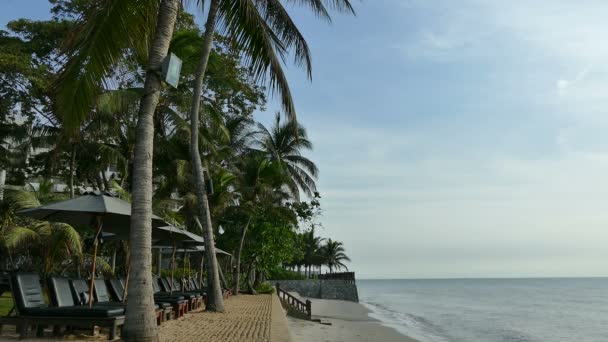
{"x":457,"y":138}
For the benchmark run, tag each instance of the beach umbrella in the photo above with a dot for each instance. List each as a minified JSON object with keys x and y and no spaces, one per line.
{"x":99,"y":210}
{"x":159,"y":234}
{"x":178,"y":238}
{"x":193,"y":249}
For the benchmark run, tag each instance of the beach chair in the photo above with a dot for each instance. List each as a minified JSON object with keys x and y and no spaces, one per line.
{"x":33,"y":311}
{"x":163,"y":310}
{"x":167,"y":288}
{"x":195,"y":298}
{"x":102,"y":297}
{"x":180,"y":305}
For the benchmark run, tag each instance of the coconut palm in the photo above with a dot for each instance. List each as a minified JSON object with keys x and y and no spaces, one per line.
{"x":283,"y":144}
{"x":258,"y":180}
{"x":333,"y":255}
{"x":55,"y":244}
{"x":265,"y":33}
{"x":107,"y":29}
{"x":312,"y":249}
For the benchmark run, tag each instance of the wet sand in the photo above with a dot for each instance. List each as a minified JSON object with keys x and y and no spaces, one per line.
{"x":350,"y":322}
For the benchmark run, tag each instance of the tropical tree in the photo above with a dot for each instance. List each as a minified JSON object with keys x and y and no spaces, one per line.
{"x":43,"y":246}
{"x":283,"y":144}
{"x":108,"y":28}
{"x":312,"y":249}
{"x":260,"y":184}
{"x":264,"y":31}
{"x":333,"y":255}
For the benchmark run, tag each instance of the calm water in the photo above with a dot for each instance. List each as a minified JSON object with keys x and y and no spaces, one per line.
{"x":501,"y":310}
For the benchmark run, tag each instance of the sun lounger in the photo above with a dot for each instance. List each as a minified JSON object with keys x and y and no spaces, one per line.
{"x":195,"y":299}
{"x":33,"y":310}
{"x":164,"y":310}
{"x":102,"y":297}
{"x":179,"y":303}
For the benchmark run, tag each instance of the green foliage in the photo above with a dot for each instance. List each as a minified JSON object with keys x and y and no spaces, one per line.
{"x":74,"y":83}
{"x":283,"y":144}
{"x":279,"y":273}
{"x":265,"y":288}
{"x":179,"y":273}
{"x":332,"y":255}
{"x":6,"y":303}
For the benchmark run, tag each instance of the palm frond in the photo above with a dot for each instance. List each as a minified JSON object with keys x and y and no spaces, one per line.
{"x":263,"y":48}
{"x":102,"y":35}
{"x":19,"y":236}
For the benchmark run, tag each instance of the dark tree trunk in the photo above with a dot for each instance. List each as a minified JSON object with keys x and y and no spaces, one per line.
{"x":140,"y":323}
{"x":215,"y":300}
{"x":237,"y":269}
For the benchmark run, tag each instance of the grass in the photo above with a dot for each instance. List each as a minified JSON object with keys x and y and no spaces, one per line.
{"x":6,"y":303}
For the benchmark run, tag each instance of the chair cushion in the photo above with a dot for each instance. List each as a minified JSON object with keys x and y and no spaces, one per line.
{"x":101,"y":291}
{"x":116,"y":288}
{"x":170,"y":300}
{"x":162,"y":305}
{"x":61,"y":292}
{"x":80,"y":286}
{"x":27,"y":291}
{"x":75,"y":311}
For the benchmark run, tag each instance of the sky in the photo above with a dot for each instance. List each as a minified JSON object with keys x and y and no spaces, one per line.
{"x":456,"y":138}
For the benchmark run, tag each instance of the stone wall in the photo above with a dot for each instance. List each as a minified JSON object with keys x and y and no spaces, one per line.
{"x":322,"y":289}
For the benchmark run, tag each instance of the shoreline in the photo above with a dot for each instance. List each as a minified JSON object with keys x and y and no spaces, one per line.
{"x":350,"y":322}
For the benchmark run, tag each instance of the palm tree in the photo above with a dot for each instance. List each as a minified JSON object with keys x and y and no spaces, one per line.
{"x":108,"y":28}
{"x":139,"y":326}
{"x":258,"y":180}
{"x":264,"y":31}
{"x":52,"y":243}
{"x":283,"y":144}
{"x":333,"y":255}
{"x":312,"y":248}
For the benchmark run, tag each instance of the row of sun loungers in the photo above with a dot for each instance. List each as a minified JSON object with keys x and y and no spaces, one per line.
{"x":69,"y":303}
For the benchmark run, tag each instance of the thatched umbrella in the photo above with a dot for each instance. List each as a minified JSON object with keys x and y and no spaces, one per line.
{"x":99,"y":210}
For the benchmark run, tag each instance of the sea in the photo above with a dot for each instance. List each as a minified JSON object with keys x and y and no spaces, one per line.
{"x":491,"y":310}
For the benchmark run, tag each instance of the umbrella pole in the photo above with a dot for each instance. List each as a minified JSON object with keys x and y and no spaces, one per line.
{"x":202,"y":263}
{"x":172,"y":267}
{"x":159,"y":261}
{"x":184,"y":268}
{"x":95,"y":244}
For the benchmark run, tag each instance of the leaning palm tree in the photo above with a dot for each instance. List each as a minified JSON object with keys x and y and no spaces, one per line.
{"x":333,"y":255}
{"x":107,"y":29}
{"x":283,"y":144}
{"x":265,"y":32}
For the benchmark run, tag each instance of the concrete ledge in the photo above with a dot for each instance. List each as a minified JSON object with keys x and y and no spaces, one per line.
{"x":321,"y":289}
{"x":279,"y":330}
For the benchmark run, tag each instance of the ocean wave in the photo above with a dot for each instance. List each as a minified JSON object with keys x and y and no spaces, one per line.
{"x":408,"y":324}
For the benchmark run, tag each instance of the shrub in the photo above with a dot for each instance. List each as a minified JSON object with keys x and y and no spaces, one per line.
{"x":265,"y":288}
{"x":279,"y":273}
{"x":179,"y":273}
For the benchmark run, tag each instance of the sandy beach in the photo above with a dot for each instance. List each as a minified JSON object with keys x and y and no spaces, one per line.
{"x":349,"y":322}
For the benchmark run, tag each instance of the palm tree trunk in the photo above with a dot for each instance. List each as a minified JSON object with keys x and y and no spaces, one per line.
{"x":72,"y":169}
{"x":140,"y":323}
{"x":251,"y":268}
{"x":215,"y":299}
{"x":236,"y":272}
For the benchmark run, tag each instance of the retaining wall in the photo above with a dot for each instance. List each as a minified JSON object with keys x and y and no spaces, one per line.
{"x":322,"y":289}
